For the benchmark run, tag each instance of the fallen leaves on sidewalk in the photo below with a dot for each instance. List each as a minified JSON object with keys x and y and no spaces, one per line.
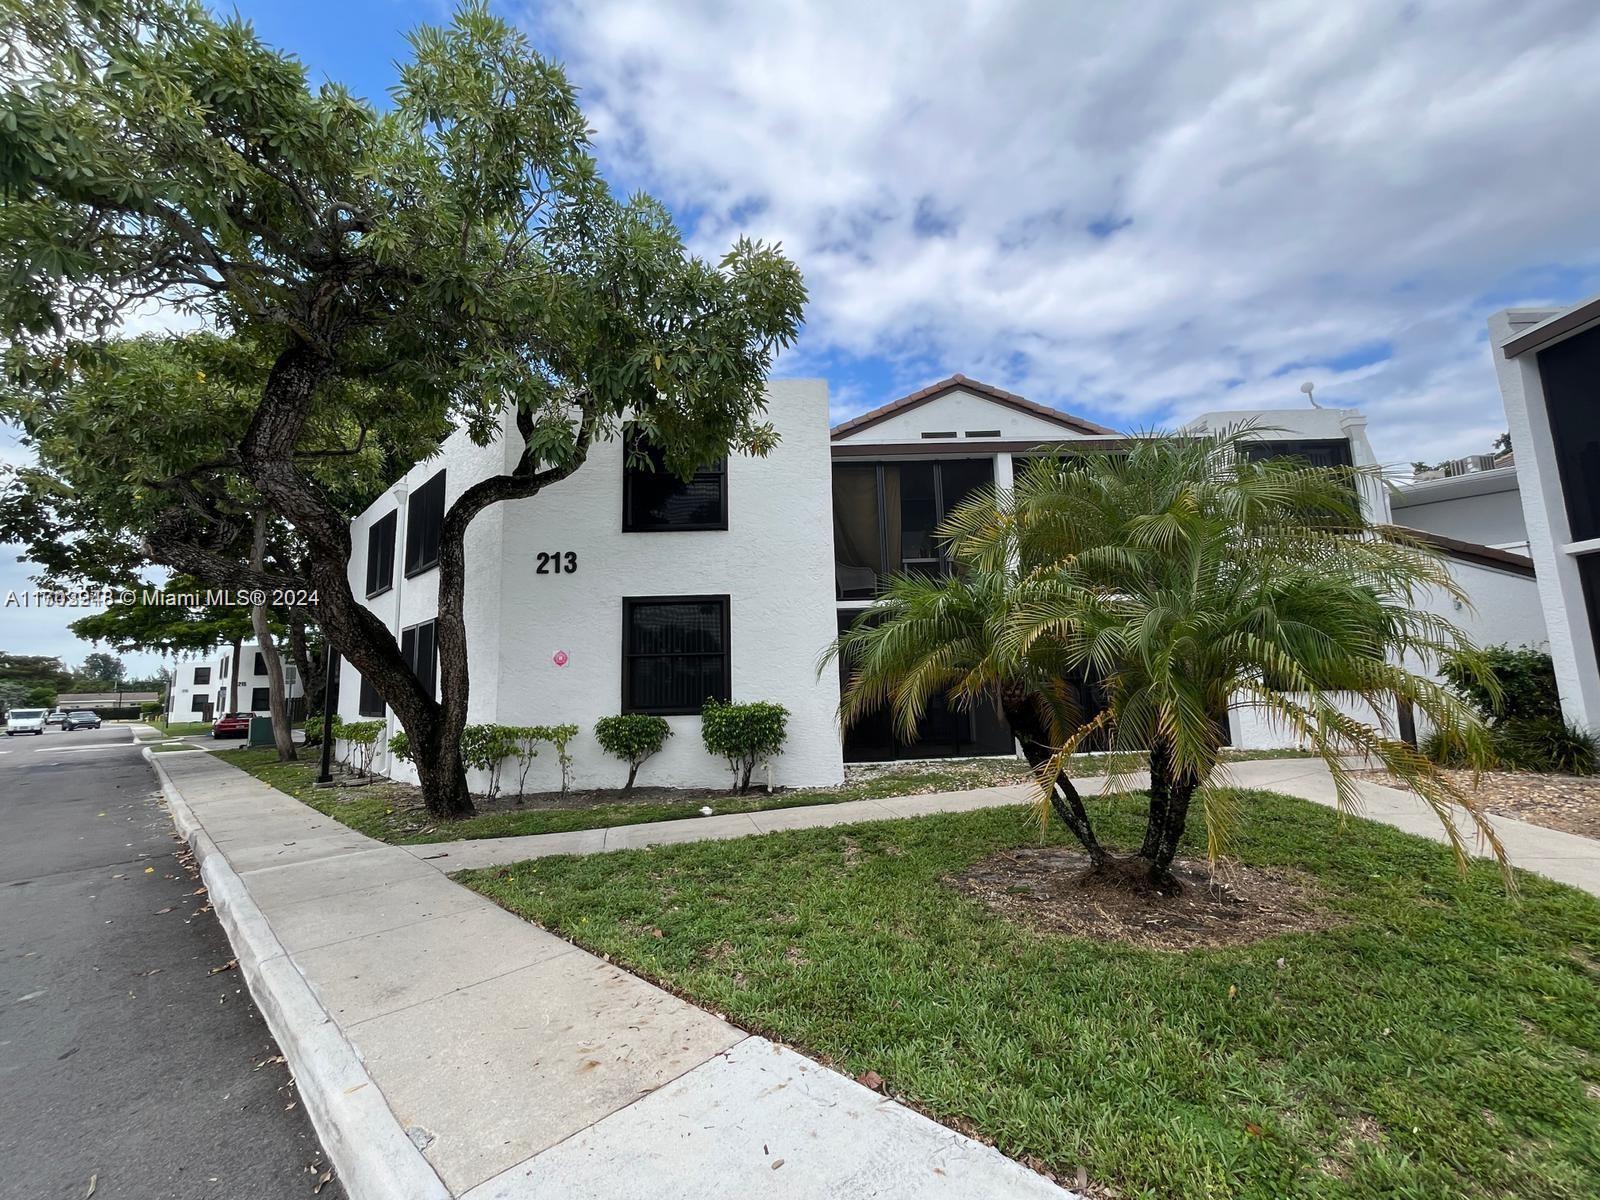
{"x":230,"y":965}
{"x":94,"y":1182}
{"x":870,"y":1079}
{"x":322,"y":1181}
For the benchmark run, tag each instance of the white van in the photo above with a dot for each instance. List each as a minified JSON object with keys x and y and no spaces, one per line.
{"x":26,"y":720}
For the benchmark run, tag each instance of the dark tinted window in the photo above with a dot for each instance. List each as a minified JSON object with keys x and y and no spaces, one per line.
{"x":857,"y":540}
{"x":202,"y":675}
{"x":261,"y":663}
{"x":1333,"y":452}
{"x":1571,"y":374}
{"x":261,"y":699}
{"x":380,"y":555}
{"x":653,"y":498}
{"x":424,"y":519}
{"x":420,"y":650}
{"x":886,"y":517}
{"x":369,"y":703}
{"x":674,"y":653}
{"x":199,"y":704}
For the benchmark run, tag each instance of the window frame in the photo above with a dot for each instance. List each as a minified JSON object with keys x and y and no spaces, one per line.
{"x":380,"y":532}
{"x":422,"y":566}
{"x":198,"y":703}
{"x":362,"y":693}
{"x":410,"y":637}
{"x":260,"y":663}
{"x":629,"y":605}
{"x":629,"y":473}
{"x":202,"y":677}
{"x":263,"y":692}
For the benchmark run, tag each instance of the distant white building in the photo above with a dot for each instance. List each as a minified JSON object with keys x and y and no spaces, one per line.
{"x":203,"y":684}
{"x":1548,"y":365}
{"x":619,"y":590}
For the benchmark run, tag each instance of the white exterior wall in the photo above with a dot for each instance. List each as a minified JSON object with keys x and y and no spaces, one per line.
{"x":1572,"y":648}
{"x":774,"y":562}
{"x":180,"y":697}
{"x":1489,"y":514}
{"x":1504,"y":609}
{"x":960,"y":410}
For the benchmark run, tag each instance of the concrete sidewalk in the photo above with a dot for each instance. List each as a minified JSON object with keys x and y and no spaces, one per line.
{"x":445,"y":1048}
{"x":1564,"y":857}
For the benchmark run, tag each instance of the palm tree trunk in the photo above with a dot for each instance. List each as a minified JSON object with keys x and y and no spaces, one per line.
{"x":1170,"y":793}
{"x":1064,"y":799}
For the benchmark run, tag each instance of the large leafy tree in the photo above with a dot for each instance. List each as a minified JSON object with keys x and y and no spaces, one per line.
{"x":1182,"y":577}
{"x":457,"y":255}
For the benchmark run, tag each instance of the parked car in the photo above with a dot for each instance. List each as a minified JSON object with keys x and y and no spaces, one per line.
{"x":56,"y":718}
{"x":232,"y":725}
{"x":26,"y":720}
{"x":82,"y":720}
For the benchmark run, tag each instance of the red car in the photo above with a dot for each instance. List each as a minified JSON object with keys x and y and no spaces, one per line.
{"x":231,"y":725}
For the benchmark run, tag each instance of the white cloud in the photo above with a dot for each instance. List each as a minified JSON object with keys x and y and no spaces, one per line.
{"x":1298,"y":180}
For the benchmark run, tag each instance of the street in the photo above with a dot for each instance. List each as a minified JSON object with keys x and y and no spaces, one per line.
{"x":132,"y":1062}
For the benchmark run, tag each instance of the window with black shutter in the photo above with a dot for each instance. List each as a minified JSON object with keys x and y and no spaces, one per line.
{"x":260,"y":700}
{"x":655,"y":499}
{"x":419,"y":647}
{"x":674,"y":653}
{"x":369,"y":703}
{"x":198,"y":703}
{"x":424,"y":519}
{"x":261,"y":663}
{"x":202,"y":676}
{"x":380,"y":555}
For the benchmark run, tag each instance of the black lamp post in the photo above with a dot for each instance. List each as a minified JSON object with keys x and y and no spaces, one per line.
{"x":329,"y":681}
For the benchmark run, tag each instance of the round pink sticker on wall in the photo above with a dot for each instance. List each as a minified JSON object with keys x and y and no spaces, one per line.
{"x":559,"y":658}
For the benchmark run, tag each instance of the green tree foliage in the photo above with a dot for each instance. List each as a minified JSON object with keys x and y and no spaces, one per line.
{"x":1182,"y":577}
{"x":454,"y":260}
{"x":744,"y":734}
{"x":632,"y":737}
{"x":101,"y":668}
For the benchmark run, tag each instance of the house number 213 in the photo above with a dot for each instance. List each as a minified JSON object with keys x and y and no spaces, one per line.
{"x":557,"y":562}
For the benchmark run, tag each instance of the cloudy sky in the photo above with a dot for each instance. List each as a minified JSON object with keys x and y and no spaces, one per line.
{"x":1133,"y":211}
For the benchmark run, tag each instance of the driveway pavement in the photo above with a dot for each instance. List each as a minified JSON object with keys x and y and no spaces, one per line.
{"x":125,"y":1062}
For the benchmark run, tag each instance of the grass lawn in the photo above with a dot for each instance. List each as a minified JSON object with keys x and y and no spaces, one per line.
{"x":393,"y":812}
{"x":1443,"y":1040}
{"x":180,"y":728}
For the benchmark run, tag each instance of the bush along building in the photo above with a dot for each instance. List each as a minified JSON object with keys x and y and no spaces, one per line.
{"x":622,"y":590}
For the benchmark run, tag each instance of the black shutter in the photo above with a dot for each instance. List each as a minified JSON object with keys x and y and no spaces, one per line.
{"x":380,"y":555}
{"x":424,"y":519}
{"x":260,"y":699}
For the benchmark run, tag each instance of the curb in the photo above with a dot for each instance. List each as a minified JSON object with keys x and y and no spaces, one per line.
{"x":373,"y":1157}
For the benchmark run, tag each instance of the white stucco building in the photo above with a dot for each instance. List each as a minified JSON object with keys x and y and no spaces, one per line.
{"x":1548,"y":365}
{"x":202,"y":684}
{"x":618,"y":590}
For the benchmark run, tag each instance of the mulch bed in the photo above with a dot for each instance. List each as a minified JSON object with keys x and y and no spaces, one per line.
{"x":1232,"y":904}
{"x":1570,"y":803}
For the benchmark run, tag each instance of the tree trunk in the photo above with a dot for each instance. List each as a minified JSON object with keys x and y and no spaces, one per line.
{"x":233,"y":677}
{"x":1030,"y":733}
{"x":633,"y":773}
{"x":312,"y":667}
{"x":1171,"y":790}
{"x":282,"y":734}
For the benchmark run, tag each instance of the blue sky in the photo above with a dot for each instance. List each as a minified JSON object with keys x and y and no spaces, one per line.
{"x":1136,"y":213}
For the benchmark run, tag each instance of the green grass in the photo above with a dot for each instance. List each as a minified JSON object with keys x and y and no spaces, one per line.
{"x":1438,"y":1043}
{"x":390,"y":812}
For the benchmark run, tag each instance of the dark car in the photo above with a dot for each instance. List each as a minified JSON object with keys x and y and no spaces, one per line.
{"x":82,"y":720}
{"x":232,"y":725}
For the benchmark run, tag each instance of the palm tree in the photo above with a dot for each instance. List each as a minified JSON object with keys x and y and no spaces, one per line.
{"x":1184,"y":576}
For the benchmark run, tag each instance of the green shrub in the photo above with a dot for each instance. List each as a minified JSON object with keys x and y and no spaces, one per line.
{"x":486,"y":748}
{"x":1445,"y":751}
{"x":632,"y":737}
{"x":744,"y":734}
{"x":1527,"y":681}
{"x":400,"y":747}
{"x":1545,"y":744}
{"x":149,"y":708}
{"x":361,"y":739}
{"x":560,"y":736}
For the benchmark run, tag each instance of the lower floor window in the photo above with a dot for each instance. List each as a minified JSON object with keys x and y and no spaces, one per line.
{"x":674,"y":653}
{"x":198,"y":702}
{"x":260,"y":699}
{"x":369,"y":703}
{"x":419,"y":647}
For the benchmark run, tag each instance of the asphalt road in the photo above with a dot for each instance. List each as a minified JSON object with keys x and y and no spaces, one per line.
{"x":131,"y":1058}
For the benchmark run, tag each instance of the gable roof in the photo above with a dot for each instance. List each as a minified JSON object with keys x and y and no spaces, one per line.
{"x":961,"y":383}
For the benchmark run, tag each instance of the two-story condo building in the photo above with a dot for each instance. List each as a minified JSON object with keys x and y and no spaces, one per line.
{"x":619,"y":590}
{"x":203,"y":684}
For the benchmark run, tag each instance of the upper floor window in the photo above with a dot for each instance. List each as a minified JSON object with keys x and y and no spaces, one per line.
{"x":886,"y":518}
{"x":380,"y":555}
{"x":653,"y":498}
{"x":424,"y":520}
{"x":261,"y":663}
{"x":202,"y":676}
{"x":223,"y":674}
{"x":1328,"y":452}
